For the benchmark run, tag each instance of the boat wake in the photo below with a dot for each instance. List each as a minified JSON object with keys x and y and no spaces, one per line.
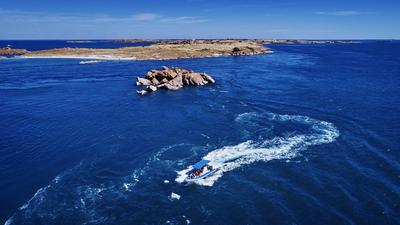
{"x":282,"y":147}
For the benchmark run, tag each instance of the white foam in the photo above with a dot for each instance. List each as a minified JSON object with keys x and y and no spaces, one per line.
{"x":166,"y":181}
{"x":9,"y":221}
{"x":287,"y":147}
{"x":174,"y":196}
{"x":89,"y":62}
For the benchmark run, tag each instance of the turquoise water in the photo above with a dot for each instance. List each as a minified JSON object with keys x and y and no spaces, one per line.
{"x":307,"y":135}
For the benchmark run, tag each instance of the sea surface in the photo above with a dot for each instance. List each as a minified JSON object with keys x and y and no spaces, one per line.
{"x":307,"y":135}
{"x":36,"y":45}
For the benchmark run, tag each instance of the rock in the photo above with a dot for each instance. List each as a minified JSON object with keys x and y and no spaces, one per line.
{"x":141,"y":92}
{"x":236,"y":51}
{"x":208,"y":78}
{"x":172,"y":79}
{"x":177,"y":81}
{"x":151,"y":88}
{"x":143,"y":81}
{"x":170,"y":87}
{"x":155,"y":81}
{"x":194,"y":79}
{"x":151,"y":73}
{"x":11,"y":51}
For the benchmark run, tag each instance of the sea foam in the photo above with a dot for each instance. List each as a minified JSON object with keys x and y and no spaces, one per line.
{"x":286,"y":147}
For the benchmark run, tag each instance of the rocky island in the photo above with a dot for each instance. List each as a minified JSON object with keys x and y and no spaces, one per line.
{"x":294,"y":41}
{"x":12,"y":51}
{"x":172,"y":79}
{"x":134,"y":40}
{"x":160,"y":51}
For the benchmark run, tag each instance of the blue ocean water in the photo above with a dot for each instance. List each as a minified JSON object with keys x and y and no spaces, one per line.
{"x":306,"y":135}
{"x":35,"y":45}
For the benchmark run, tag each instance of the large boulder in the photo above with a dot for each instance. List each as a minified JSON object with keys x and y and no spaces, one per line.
{"x":172,"y":79}
{"x":177,"y":81}
{"x":143,"y":81}
{"x":151,"y":88}
{"x":208,"y":78}
{"x":194,"y":79}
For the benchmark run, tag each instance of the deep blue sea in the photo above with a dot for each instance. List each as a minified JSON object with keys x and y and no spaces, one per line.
{"x":35,"y":45}
{"x":306,"y":135}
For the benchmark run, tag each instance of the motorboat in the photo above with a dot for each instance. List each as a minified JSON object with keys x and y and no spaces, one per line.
{"x":200,"y":171}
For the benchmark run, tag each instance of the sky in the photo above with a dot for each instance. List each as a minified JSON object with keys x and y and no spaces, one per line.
{"x":156,"y":19}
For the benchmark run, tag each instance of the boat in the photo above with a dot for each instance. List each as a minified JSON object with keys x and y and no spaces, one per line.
{"x":200,"y":171}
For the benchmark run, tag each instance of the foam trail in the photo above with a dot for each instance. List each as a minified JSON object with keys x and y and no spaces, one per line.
{"x":229,"y":158}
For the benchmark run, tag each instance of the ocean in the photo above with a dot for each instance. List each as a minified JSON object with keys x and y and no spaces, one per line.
{"x":306,"y":135}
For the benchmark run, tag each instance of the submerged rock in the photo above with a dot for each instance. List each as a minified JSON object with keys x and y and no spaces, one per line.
{"x":172,"y":79}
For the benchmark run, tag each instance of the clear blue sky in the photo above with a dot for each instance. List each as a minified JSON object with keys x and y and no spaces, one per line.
{"x":101,"y":19}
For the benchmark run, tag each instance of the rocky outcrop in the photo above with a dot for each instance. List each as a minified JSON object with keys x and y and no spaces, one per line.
{"x":238,"y":51}
{"x":12,"y":51}
{"x":172,"y":79}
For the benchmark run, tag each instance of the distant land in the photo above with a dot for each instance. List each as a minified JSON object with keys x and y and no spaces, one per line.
{"x":166,"y":49}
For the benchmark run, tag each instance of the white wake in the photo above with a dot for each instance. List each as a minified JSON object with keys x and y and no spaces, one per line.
{"x":229,"y":158}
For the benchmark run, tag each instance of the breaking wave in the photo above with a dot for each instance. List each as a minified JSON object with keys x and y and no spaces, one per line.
{"x":282,"y":147}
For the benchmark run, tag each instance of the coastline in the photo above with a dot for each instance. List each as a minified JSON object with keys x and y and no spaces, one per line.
{"x":161,"y":51}
{"x":91,"y":57}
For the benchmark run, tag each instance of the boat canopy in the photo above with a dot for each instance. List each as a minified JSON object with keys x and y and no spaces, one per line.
{"x":201,"y":164}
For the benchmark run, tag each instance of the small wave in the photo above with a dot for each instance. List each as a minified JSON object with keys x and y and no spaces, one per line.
{"x":286,"y":147}
{"x":89,"y":62}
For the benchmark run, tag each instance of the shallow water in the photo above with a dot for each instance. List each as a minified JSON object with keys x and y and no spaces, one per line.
{"x":307,"y":135}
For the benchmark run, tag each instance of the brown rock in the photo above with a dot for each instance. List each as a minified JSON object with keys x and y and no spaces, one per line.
{"x":155,"y":81}
{"x":194,"y":79}
{"x":142,"y":81}
{"x":151,"y":88}
{"x":12,"y":51}
{"x":172,"y":79}
{"x":208,"y":78}
{"x":151,"y":74}
{"x":177,"y":81}
{"x":170,"y":87}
